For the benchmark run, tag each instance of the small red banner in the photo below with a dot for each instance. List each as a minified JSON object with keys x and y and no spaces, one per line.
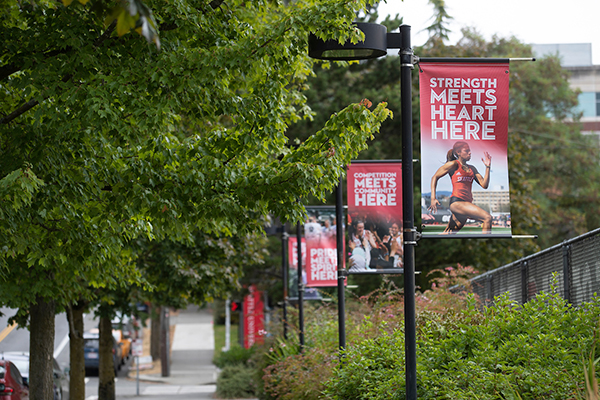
{"x":254,"y":317}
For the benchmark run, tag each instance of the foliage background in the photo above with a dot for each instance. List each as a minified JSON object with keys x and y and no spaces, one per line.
{"x":465,"y":350}
{"x":553,"y":168}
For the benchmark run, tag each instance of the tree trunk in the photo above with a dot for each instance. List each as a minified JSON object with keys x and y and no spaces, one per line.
{"x":106,"y":371}
{"x":41,"y":348}
{"x":76,"y":357}
{"x":155,"y":332}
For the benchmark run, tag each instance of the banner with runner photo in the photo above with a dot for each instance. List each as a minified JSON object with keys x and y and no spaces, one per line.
{"x":375,"y":238}
{"x":464,"y":133}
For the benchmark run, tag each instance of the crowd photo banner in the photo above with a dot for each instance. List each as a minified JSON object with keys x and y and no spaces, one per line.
{"x":375,"y":237}
{"x":321,"y":247}
{"x":464,"y":133}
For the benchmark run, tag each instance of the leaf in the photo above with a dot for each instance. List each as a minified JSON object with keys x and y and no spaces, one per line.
{"x":125,"y":22}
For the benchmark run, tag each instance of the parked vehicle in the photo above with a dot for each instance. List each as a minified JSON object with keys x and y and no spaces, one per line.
{"x":61,"y":378}
{"x":125,"y":323}
{"x":91,"y":347}
{"x":124,"y":343}
{"x":12,"y":386}
{"x":123,"y":329}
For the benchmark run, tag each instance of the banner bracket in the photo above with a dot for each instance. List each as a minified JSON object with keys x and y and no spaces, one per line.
{"x":471,"y":60}
{"x":413,"y":236}
{"x":476,"y":236}
{"x":408,"y":58}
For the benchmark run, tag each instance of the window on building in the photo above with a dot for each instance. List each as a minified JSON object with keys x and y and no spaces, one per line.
{"x":589,"y":104}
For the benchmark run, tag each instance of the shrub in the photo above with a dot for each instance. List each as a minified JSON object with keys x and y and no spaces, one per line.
{"x":530,"y":352}
{"x":300,"y":376}
{"x":237,"y":382}
{"x":464,"y":350}
{"x":236,"y":355}
{"x":280,"y":363}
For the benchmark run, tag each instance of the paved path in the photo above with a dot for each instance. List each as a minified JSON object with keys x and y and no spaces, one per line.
{"x":193,"y":374}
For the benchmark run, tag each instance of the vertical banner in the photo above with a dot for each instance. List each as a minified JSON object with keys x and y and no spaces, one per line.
{"x":309,"y":294}
{"x":464,"y":133}
{"x":321,"y":247}
{"x":254,"y":317}
{"x":293,"y":266}
{"x":375,"y":238}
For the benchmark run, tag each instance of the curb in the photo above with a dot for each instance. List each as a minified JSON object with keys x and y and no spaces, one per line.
{"x":146,"y":378}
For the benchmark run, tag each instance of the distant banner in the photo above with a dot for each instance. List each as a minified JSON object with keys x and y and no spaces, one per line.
{"x":321,"y":247}
{"x":293,"y":265}
{"x":375,"y":239}
{"x":309,"y":293}
{"x":464,"y":132}
{"x":254,"y":317}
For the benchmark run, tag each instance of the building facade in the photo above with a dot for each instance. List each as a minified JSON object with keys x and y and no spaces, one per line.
{"x":577,"y":59}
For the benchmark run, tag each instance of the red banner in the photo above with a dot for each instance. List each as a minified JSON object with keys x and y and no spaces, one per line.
{"x":464,"y":133}
{"x":375,"y":215}
{"x":321,"y":268}
{"x":319,"y":259}
{"x":254,"y":317}
{"x":293,"y":252}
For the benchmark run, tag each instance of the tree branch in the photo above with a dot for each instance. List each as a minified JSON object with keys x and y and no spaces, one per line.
{"x":265,"y":44}
{"x":21,"y":110}
{"x":27,"y":106}
{"x":49,"y":229}
{"x":9,"y":69}
{"x":106,"y":34}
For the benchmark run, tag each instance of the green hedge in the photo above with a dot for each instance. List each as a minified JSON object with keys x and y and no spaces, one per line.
{"x":237,"y":382}
{"x":535,"y":351}
{"x":236,"y":355}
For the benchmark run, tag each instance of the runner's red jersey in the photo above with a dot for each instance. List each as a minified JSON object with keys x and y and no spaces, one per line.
{"x":462,"y":182}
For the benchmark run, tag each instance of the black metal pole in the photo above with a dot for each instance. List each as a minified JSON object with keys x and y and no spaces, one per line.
{"x":567,"y":272}
{"x":300,"y":289}
{"x":410,"y":233}
{"x":284,"y":274}
{"x":339,"y":232}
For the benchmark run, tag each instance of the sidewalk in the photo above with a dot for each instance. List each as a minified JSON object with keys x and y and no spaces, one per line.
{"x":193,"y":375}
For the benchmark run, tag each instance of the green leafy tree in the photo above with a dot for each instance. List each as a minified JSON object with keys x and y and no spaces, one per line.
{"x":552,"y":166}
{"x":106,"y":139}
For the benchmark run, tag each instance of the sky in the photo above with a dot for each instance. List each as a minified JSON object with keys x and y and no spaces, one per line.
{"x":531,"y":21}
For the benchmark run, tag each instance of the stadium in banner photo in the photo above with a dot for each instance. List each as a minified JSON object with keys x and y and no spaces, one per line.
{"x":464,"y":132}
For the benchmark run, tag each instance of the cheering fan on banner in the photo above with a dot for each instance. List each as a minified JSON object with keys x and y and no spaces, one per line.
{"x":361,"y":238}
{"x":395,"y":243}
{"x":462,"y":176}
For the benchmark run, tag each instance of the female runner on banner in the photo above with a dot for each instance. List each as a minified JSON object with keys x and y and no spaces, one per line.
{"x":462,"y":175}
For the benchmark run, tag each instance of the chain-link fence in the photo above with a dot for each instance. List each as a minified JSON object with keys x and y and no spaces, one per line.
{"x":575,"y":262}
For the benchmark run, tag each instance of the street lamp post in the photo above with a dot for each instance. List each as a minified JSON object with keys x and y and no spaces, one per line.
{"x":300,"y":288}
{"x":375,"y":45}
{"x":284,"y":274}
